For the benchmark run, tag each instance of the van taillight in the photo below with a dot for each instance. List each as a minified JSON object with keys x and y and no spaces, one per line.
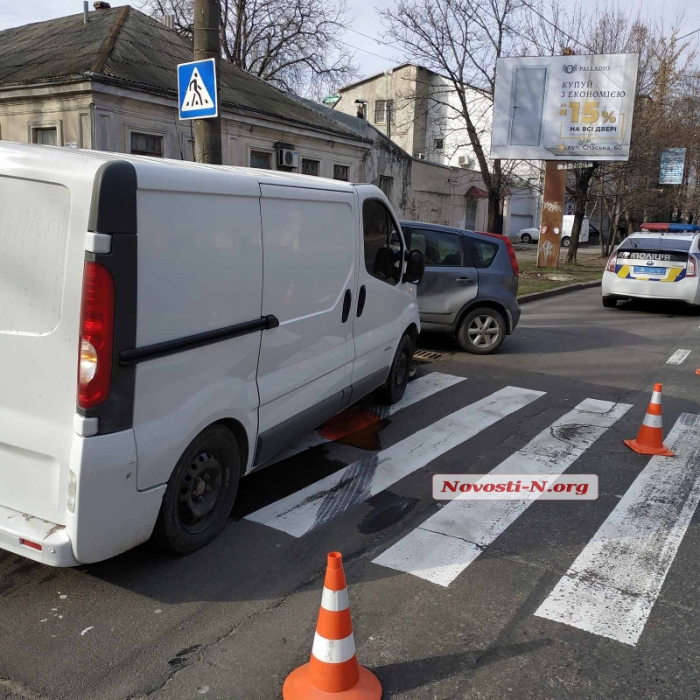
{"x":612,"y":261}
{"x":96,"y":335}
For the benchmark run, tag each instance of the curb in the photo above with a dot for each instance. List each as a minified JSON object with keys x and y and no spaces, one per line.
{"x":557,"y":291}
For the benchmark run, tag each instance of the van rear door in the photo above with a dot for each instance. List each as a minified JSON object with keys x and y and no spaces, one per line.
{"x":44,"y":205}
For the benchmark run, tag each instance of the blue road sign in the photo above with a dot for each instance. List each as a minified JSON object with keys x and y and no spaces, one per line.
{"x":196,"y":89}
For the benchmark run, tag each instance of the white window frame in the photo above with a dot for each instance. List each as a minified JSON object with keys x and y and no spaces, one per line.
{"x":347,"y":165}
{"x":46,"y":124}
{"x":261,"y":149}
{"x":162,"y":133}
{"x":315,"y":159}
{"x":383,"y":114}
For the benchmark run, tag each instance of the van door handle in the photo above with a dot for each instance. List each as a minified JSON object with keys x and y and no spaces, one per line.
{"x":347,"y":304}
{"x":361,"y":300}
{"x":463,"y":280}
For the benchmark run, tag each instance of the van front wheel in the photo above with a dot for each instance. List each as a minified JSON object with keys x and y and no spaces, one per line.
{"x":395,"y":385}
{"x":200,"y":492}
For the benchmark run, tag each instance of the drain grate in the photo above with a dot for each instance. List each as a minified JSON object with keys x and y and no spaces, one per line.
{"x":422,"y":357}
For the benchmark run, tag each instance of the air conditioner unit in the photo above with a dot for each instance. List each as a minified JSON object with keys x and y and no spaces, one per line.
{"x":287,"y":158}
{"x":420,"y":156}
{"x":462,"y":161}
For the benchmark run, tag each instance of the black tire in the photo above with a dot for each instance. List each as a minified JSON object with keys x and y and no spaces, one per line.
{"x":526,"y":238}
{"x":395,"y":385}
{"x":481,"y":331}
{"x":190,"y":516}
{"x":609,"y":302}
{"x":565,"y":242}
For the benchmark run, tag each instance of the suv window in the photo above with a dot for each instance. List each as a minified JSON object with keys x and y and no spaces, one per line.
{"x":483,"y":253}
{"x":439,"y":248}
{"x":383,"y":254}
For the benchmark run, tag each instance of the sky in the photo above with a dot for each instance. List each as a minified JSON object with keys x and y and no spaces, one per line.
{"x":364,"y":38}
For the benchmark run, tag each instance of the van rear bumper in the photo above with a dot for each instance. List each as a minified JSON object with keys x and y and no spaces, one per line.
{"x":56,"y":547}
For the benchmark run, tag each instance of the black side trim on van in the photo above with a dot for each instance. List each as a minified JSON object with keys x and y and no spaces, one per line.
{"x":132,"y":356}
{"x":276,"y":439}
{"x":113,"y":206}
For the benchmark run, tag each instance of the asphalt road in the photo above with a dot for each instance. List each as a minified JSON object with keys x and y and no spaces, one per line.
{"x":232,"y":620}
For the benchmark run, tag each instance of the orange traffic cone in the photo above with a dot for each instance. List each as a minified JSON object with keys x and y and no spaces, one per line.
{"x":650,"y":438}
{"x":333,"y":671}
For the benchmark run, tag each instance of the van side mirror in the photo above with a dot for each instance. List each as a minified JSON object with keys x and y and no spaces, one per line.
{"x":415,"y":267}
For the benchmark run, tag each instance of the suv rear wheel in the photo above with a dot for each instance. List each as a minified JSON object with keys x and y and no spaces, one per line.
{"x":482,"y":331}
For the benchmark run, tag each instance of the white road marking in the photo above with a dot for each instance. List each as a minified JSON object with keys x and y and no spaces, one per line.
{"x":447,"y":542}
{"x":613,"y":584}
{"x":416,"y":391}
{"x":678,"y":357}
{"x":328,"y":498}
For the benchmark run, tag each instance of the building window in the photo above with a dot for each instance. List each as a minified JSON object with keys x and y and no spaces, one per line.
{"x":383,"y":109}
{"x":44,"y":135}
{"x":310,"y":167}
{"x":385,"y":185}
{"x":439,"y":144}
{"x":379,"y":111}
{"x":146,"y":145}
{"x":260,"y":159}
{"x":341,"y":172}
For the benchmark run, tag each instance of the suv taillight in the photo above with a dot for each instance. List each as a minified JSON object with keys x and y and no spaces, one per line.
{"x":96,"y":335}
{"x":509,"y":247}
{"x":612,"y":261}
{"x":692,"y":269}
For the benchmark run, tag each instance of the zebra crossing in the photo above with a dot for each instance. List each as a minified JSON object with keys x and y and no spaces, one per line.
{"x":611,"y":587}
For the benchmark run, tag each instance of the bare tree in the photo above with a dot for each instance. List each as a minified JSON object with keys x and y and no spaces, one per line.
{"x":293,"y":44}
{"x":461,"y":40}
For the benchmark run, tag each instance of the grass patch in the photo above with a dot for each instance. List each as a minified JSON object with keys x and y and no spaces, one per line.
{"x":538,"y":279}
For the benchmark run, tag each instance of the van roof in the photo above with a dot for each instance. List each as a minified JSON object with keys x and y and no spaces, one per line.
{"x":157,"y":173}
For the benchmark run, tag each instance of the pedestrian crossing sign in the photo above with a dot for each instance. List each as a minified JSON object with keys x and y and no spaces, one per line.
{"x":196,"y":90}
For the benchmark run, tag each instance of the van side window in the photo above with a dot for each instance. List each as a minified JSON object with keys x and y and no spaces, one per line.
{"x":483,"y":253}
{"x":440,"y":249}
{"x":383,"y":250}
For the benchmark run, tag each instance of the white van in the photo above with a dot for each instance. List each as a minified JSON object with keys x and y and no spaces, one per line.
{"x":528,"y":235}
{"x":167,"y":327}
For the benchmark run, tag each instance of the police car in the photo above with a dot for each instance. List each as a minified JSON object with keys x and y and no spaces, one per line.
{"x":660,"y":262}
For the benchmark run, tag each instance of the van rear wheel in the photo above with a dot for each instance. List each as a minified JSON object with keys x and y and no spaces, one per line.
{"x":200,"y":492}
{"x":395,"y":385}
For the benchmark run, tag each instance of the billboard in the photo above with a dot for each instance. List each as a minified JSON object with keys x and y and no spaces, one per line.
{"x":672,"y":165}
{"x":564,"y":107}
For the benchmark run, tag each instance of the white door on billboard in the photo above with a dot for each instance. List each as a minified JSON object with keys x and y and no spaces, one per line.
{"x":528,"y":104}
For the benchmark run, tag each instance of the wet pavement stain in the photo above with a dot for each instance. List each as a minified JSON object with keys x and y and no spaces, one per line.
{"x":387,"y":509}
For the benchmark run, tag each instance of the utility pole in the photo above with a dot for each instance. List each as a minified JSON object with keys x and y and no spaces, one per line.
{"x":207,"y":44}
{"x":551,"y":222}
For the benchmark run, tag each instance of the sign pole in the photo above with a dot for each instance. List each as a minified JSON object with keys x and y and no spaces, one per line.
{"x":552,"y":215}
{"x":207,"y":132}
